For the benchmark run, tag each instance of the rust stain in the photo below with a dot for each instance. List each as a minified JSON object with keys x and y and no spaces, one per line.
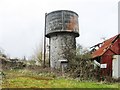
{"x":105,"y":46}
{"x":72,"y":24}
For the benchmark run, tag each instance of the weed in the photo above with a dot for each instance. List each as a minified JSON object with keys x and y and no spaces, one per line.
{"x":29,"y":79}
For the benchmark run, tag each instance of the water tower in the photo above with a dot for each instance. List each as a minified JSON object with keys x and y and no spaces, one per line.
{"x":61,"y":28}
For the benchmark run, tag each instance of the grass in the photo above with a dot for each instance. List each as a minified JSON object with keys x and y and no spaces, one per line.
{"x":28,"y":79}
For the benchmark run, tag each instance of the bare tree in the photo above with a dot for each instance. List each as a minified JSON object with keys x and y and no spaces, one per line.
{"x":37,"y":56}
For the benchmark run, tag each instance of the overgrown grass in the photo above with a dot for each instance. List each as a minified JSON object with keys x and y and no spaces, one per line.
{"x":28,"y":79}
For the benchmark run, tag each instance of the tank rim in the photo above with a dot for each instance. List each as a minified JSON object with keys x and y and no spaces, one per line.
{"x":61,"y":11}
{"x":48,"y":35}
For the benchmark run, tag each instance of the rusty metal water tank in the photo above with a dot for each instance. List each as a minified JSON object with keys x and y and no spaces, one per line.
{"x":62,"y":28}
{"x":62,"y":21}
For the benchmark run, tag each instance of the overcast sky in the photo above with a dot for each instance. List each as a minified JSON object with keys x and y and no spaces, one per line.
{"x":22,"y":22}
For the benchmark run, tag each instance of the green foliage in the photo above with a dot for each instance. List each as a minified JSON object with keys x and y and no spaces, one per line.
{"x":80,"y":64}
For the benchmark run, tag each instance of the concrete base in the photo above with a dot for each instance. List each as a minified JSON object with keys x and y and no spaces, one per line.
{"x":60,"y":46}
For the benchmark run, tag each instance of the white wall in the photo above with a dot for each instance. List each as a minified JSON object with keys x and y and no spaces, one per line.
{"x":116,"y":66}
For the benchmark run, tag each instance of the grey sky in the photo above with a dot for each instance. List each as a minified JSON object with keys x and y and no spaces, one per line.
{"x":22,"y":22}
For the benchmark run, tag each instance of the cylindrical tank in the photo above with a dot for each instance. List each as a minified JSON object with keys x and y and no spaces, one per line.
{"x":61,"y":28}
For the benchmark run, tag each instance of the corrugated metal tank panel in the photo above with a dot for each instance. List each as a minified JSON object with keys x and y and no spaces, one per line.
{"x":62,"y":21}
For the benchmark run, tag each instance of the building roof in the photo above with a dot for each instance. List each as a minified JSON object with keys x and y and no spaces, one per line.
{"x":104,"y":47}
